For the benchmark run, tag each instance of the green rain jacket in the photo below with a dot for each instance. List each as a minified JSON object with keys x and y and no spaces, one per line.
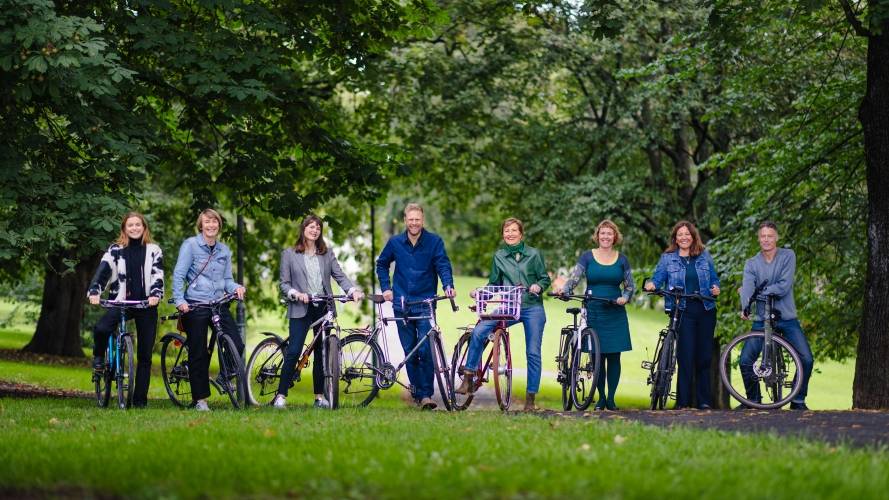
{"x":520,"y":265}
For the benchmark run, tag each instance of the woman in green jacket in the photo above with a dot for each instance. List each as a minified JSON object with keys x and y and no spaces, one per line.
{"x":515,"y":263}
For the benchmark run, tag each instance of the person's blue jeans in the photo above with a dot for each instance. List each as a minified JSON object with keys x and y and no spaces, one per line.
{"x":419,"y":366}
{"x":533,"y":320}
{"x":694,"y":353}
{"x":793,"y":333}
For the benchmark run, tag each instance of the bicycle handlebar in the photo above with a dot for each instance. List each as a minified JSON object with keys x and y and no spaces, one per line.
{"x":680,"y":295}
{"x":432,"y":300}
{"x":584,"y":298}
{"x":124,"y":304}
{"x":319,"y":299}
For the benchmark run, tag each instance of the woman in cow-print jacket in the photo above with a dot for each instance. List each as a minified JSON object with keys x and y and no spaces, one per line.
{"x":132,"y":269}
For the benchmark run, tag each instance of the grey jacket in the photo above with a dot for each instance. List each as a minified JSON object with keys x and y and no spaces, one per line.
{"x":780,"y":275}
{"x":293,"y":277}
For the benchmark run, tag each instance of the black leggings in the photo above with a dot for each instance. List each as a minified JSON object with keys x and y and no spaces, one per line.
{"x":299,"y":327}
{"x":196,"y":322}
{"x":146,"y":331}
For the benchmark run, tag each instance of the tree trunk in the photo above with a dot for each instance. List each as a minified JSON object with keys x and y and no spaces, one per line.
{"x":61,"y":310}
{"x":871,"y":386}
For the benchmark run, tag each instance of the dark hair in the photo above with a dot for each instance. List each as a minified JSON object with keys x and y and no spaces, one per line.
{"x":320,"y":246}
{"x":697,"y":248}
{"x":769,"y":224}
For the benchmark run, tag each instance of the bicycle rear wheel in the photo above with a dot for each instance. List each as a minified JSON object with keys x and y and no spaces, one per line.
{"x":458,"y":361}
{"x":264,"y":371}
{"x":501,"y":368}
{"x":126,"y":377}
{"x":362,"y":363}
{"x":661,"y":377}
{"x":773,"y":379}
{"x":585,"y":369}
{"x":332,"y":372}
{"x":174,"y":369}
{"x":231,"y":370}
{"x":564,"y":363}
{"x":442,"y":372}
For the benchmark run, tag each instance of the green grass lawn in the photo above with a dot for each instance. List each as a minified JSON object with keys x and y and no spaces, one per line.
{"x":69,"y":445}
{"x":830,"y":387}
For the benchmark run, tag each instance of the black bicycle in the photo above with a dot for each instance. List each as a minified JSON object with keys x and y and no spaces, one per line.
{"x":265,"y":364}
{"x":580,"y":356}
{"x":118,"y":366}
{"x":774,"y":377}
{"x":231,"y":379}
{"x":663,"y":366}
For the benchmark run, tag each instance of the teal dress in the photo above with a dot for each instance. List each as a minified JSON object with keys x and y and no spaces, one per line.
{"x":609,"y":321}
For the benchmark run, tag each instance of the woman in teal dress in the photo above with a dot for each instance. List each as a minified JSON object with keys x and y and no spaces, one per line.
{"x":605,"y":270}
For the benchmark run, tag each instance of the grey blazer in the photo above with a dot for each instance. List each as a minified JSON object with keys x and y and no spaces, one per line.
{"x":293,"y":276}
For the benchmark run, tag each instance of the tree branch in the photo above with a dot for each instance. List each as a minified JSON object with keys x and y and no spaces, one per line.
{"x":852,"y":17}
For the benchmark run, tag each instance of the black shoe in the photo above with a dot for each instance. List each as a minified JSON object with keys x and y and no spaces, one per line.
{"x":705,"y":407}
{"x":600,"y":405}
{"x":677,"y":407}
{"x":98,"y":363}
{"x":799,"y":406}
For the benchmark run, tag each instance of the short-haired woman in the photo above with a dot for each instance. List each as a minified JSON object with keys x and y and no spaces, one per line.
{"x":687,"y":265}
{"x":606,"y":270}
{"x":306,"y":269}
{"x":133,"y":267}
{"x":515,"y":263}
{"x":204,"y":273}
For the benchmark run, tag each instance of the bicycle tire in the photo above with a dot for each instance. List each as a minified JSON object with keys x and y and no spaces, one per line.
{"x":725,"y":360}
{"x":565,"y":362}
{"x":174,"y":369}
{"x":231,"y":367}
{"x":585,"y":367}
{"x":332,"y":372}
{"x":264,"y":371}
{"x":666,"y":367}
{"x":126,"y":378}
{"x":102,"y":383}
{"x":440,"y":367}
{"x":501,"y":368}
{"x":458,"y":360}
{"x":654,"y":374}
{"x":362,"y":361}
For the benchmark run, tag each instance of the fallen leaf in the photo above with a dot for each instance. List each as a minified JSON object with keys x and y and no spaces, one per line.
{"x":618,"y":439}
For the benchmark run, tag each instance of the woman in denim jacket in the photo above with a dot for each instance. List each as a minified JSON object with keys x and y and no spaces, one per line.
{"x":687,"y":265}
{"x":204,"y":273}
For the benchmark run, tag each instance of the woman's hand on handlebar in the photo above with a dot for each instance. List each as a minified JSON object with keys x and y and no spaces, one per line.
{"x":649,"y":286}
{"x":183,"y":308}
{"x":535,"y":289}
{"x":240,"y":291}
{"x":357,"y":295}
{"x":94,"y":299}
{"x":153,"y":301}
{"x":714,"y":291}
{"x":620,"y":301}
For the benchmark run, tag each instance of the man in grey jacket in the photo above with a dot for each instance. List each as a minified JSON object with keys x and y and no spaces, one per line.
{"x":777,"y":267}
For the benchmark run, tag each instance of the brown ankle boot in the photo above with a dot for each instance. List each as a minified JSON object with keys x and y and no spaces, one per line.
{"x":468,"y":385}
{"x":529,"y":402}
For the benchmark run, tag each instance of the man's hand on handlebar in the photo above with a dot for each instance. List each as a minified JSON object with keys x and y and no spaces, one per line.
{"x":388,"y":296}
{"x":450,"y":292}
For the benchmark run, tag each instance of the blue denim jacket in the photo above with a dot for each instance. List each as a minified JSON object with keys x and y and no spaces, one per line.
{"x":214,"y":282}
{"x":671,"y":270}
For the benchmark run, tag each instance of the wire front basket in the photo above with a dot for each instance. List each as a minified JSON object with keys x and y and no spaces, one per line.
{"x":499,"y":302}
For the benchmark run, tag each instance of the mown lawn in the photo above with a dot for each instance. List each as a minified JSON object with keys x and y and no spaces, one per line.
{"x":69,"y":445}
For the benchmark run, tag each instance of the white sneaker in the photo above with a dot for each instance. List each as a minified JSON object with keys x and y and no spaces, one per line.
{"x":322,"y":403}
{"x":201,"y":405}
{"x":279,"y":402}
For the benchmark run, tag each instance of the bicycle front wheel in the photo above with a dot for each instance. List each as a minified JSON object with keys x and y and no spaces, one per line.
{"x":662,"y":371}
{"x":362,"y":364}
{"x":501,"y":368}
{"x":442,"y":372}
{"x":102,"y":382}
{"x":761,"y":376}
{"x":126,"y":377}
{"x":585,"y":369}
{"x":564,"y":363}
{"x":174,"y":369}
{"x":231,"y":372}
{"x":332,"y":372}
{"x":264,"y":371}
{"x":458,"y":361}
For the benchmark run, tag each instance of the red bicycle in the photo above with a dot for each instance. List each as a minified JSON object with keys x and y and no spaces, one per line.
{"x":501,"y":304}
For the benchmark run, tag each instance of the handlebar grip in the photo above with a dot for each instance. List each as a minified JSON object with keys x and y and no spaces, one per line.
{"x":454,"y":305}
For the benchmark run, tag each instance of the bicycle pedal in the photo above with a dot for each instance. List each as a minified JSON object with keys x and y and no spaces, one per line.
{"x":647,"y":365}
{"x":672,"y":395}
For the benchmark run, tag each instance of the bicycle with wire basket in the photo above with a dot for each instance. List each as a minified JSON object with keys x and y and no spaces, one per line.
{"x":365,"y":365}
{"x":265,"y":364}
{"x":663,"y":366}
{"x":777,"y":367}
{"x":118,"y":366}
{"x":231,"y":379}
{"x":579,"y":356}
{"x":502,"y":304}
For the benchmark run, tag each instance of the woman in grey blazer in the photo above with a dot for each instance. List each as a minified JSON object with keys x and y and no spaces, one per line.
{"x":306,"y":269}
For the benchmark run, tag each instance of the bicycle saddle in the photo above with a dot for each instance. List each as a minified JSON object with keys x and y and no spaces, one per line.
{"x":573,"y":310}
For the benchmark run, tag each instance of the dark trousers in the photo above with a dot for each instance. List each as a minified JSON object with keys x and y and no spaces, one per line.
{"x":419,"y":366}
{"x":694,"y":353}
{"x":299,"y":327}
{"x":146,"y":331}
{"x":196,"y":322}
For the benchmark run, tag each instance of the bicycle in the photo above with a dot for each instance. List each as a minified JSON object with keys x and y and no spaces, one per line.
{"x":366,"y":367}
{"x":580,"y":355}
{"x":663,"y":366}
{"x":118,"y":366}
{"x":507,"y":305}
{"x":230,"y":381}
{"x":265,"y":364}
{"x":780,"y":367}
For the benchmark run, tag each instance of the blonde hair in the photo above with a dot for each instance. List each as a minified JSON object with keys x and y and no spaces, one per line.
{"x":610,"y":225}
{"x":124,"y":240}
{"x":207,"y":212}
{"x":412,"y":207}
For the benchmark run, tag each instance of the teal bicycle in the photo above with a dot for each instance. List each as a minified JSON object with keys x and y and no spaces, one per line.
{"x":118,"y":367}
